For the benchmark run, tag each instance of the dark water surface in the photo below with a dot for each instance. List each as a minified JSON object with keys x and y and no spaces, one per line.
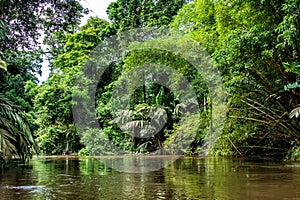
{"x":186,"y":178}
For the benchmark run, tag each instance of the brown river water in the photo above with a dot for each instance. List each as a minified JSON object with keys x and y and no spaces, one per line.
{"x":184,"y":178}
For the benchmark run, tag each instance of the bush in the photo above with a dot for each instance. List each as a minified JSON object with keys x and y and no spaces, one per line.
{"x":97,"y":142}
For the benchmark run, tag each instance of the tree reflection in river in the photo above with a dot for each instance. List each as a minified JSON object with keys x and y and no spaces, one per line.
{"x":186,"y":178}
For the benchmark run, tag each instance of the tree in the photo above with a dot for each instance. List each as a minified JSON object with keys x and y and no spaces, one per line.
{"x":53,"y":106}
{"x":294,"y":68}
{"x":15,"y":134}
{"x":250,"y":41}
{"x":53,"y":100}
{"x":25,"y":27}
{"x":127,"y":14}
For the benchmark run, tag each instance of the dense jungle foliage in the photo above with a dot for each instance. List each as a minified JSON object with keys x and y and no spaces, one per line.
{"x":255,"y":45}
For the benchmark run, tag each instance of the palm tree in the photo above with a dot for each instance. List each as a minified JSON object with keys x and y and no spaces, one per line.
{"x":15,"y":135}
{"x":137,"y":123}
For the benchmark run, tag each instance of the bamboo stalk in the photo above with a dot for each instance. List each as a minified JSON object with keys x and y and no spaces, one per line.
{"x":266,"y":133}
{"x":263,"y":147}
{"x":251,"y":119}
{"x":286,"y":126}
{"x":235,"y":147}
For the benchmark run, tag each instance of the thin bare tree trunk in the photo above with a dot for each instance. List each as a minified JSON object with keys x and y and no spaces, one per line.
{"x":210,"y":124}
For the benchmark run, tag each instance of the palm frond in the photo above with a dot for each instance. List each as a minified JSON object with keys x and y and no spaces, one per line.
{"x":15,"y":131}
{"x":295,"y":112}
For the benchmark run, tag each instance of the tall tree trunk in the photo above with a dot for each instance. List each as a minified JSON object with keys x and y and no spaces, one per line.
{"x":66,"y":152}
{"x":210,"y":123}
{"x":160,"y":144}
{"x":144,"y":89}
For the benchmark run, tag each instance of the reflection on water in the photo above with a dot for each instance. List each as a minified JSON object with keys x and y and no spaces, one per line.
{"x":186,"y":178}
{"x":138,"y":164}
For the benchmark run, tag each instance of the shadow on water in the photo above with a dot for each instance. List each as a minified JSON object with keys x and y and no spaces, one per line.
{"x":185,"y":178}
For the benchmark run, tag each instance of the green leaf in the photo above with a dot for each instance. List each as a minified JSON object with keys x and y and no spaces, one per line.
{"x":3,"y":65}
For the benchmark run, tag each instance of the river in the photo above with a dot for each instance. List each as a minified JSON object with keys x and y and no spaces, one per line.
{"x":184,"y":178}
